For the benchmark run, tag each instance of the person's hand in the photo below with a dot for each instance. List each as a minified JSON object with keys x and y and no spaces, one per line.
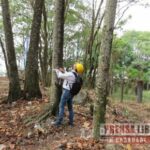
{"x":62,"y":70}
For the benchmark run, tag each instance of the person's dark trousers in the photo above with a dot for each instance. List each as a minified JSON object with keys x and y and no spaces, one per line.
{"x":66,"y":98}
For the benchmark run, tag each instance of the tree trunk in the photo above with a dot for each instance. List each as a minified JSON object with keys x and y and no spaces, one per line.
{"x":139,"y":91}
{"x":102,"y":80}
{"x":57,"y":57}
{"x":14,"y":86}
{"x":111,"y":85}
{"x":5,"y":57}
{"x":88,"y":62}
{"x":92,"y":74}
{"x":122,"y":90}
{"x":44,"y":64}
{"x":32,"y":88}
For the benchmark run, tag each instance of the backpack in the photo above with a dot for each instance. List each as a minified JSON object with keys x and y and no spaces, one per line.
{"x":76,"y":86}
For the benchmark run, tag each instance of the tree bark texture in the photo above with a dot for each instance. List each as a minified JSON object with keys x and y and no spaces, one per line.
{"x":102,"y":80}
{"x":32,"y":89}
{"x":14,"y":86}
{"x":57,"y":56}
{"x":44,"y":55}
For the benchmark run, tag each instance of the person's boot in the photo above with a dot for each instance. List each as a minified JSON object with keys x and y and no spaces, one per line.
{"x":57,"y":122}
{"x":71,"y":124}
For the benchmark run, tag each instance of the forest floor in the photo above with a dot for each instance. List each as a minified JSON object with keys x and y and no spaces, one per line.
{"x":16,"y":135}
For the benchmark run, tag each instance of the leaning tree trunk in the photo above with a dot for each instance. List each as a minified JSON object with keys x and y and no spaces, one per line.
{"x":102,"y":80}
{"x":14,"y":86}
{"x":32,"y":88}
{"x":57,"y":58}
{"x":88,"y":62}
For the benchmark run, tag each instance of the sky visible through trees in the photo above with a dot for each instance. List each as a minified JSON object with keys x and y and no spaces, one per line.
{"x":138,"y":22}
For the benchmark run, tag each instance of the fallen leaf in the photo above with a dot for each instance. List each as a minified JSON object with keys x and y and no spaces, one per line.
{"x":69,"y":145}
{"x":79,"y":145}
{"x":86,"y":125}
{"x":12,"y":146}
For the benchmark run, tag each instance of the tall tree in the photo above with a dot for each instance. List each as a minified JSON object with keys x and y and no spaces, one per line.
{"x":32,"y":88}
{"x":14,"y":86}
{"x":94,"y":30}
{"x":57,"y":58}
{"x":43,"y":55}
{"x":102,"y":80}
{"x":90,"y":52}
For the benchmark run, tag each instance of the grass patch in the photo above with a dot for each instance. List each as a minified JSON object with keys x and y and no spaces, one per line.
{"x":130,"y":96}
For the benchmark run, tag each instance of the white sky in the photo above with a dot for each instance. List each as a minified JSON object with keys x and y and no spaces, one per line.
{"x":140,"y":20}
{"x":2,"y":66}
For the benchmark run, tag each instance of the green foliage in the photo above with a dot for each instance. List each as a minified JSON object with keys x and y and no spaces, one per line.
{"x":131,"y":55}
{"x":132,"y":72}
{"x":130,"y":96}
{"x":76,"y":31}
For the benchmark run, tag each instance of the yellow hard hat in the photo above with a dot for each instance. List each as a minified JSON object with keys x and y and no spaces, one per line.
{"x":79,"y":68}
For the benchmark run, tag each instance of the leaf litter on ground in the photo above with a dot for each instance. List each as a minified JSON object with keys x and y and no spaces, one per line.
{"x":14,"y":134}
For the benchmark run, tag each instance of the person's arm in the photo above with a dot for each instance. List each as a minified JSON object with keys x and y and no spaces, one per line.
{"x":61,"y":75}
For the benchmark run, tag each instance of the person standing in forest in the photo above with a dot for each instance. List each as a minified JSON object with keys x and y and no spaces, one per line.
{"x":71,"y":86}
